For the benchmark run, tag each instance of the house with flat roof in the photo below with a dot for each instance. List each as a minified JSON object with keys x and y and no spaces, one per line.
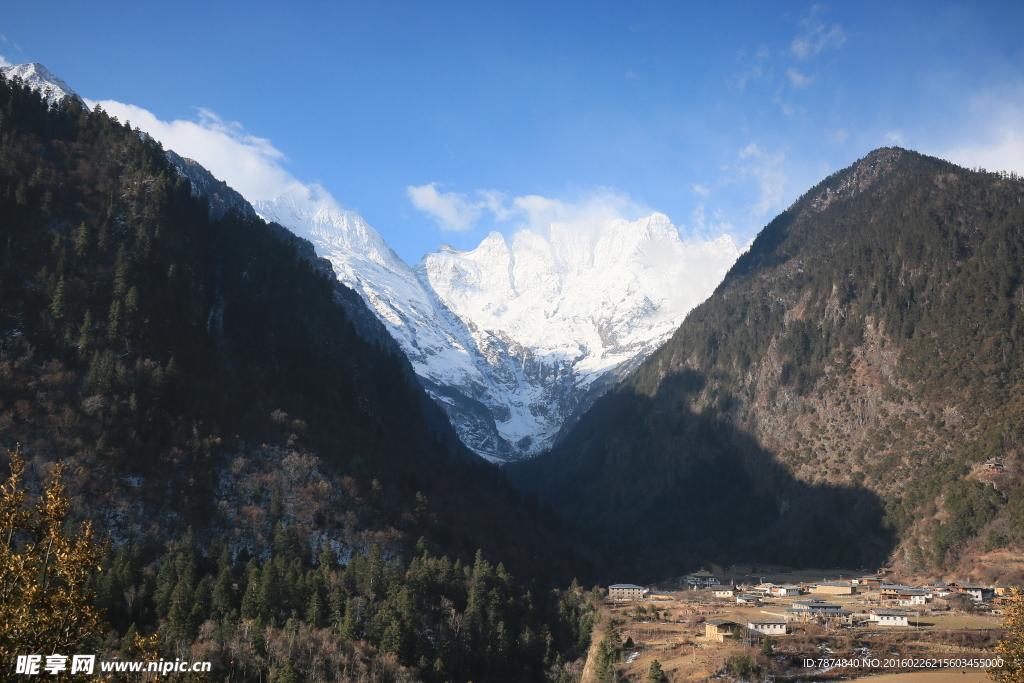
{"x":813,"y":604}
{"x":910,"y":597}
{"x":888,"y":617}
{"x":625,"y":591}
{"x":723,"y":591}
{"x":834,"y":588}
{"x":768,"y":627}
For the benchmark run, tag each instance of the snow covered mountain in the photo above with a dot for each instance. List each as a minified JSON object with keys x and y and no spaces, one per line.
{"x":38,"y":77}
{"x":516,"y":341}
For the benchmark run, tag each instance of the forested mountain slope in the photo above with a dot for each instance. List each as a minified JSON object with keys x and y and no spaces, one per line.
{"x":199,"y":374}
{"x":837,"y":397}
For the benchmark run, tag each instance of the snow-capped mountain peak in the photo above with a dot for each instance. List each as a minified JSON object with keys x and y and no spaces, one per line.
{"x":516,"y":337}
{"x":38,"y":77}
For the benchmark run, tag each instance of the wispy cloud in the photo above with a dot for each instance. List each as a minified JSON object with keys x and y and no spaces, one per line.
{"x":453,"y":211}
{"x":3,"y":60}
{"x":450,"y":210}
{"x":767,"y":168}
{"x":797,"y":79}
{"x":816,"y":36}
{"x":894,"y":137}
{"x":839,"y":136}
{"x":701,"y":190}
{"x":709,"y":227}
{"x":248,"y":163}
{"x":992,"y":136}
{"x":751,"y":68}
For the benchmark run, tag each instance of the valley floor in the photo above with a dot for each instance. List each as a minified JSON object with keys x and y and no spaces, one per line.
{"x":677,"y":639}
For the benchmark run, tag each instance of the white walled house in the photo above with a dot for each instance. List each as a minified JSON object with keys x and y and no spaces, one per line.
{"x":889,"y":617}
{"x":768,"y":627}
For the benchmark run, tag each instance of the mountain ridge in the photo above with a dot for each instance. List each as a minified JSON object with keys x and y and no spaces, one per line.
{"x":866,"y":341}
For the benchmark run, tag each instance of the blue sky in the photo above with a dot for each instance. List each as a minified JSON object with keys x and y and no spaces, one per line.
{"x":439,"y":122}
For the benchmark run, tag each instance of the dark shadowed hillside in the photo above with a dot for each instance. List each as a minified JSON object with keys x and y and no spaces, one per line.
{"x":269,"y":477}
{"x":842,"y":389}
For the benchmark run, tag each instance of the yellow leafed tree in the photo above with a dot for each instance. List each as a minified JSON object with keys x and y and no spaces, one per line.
{"x":45,"y":605}
{"x":1011,"y":647}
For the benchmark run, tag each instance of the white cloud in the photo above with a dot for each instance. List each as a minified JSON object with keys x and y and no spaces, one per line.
{"x":991,"y":135}
{"x":450,"y":210}
{"x":537,"y":213}
{"x":3,"y":60}
{"x":701,"y":190}
{"x":249,"y":164}
{"x":797,"y":79}
{"x":1004,"y":151}
{"x":816,"y":36}
{"x":458,"y":212}
{"x":767,"y":169}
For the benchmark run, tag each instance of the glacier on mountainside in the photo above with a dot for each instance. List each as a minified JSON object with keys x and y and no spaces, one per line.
{"x":515,"y":341}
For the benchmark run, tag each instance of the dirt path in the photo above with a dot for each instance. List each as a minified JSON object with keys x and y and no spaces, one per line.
{"x":589,"y":675}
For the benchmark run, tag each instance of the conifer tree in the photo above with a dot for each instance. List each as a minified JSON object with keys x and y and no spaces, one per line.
{"x":655,"y":673}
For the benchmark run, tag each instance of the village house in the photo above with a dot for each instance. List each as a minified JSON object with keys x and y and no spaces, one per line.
{"x":816,"y":610}
{"x":702,"y":579}
{"x":625,"y":591}
{"x":748,"y":599}
{"x":937,"y":589}
{"x":719,"y":629}
{"x":834,"y":588}
{"x":889,"y":617}
{"x":768,"y":627}
{"x":813,"y":604}
{"x":819,"y":615}
{"x":868,"y":581}
{"x":913,"y":596}
{"x":891,"y":591}
{"x":724,"y":591}
{"x":786,"y":591}
{"x":975,"y":592}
